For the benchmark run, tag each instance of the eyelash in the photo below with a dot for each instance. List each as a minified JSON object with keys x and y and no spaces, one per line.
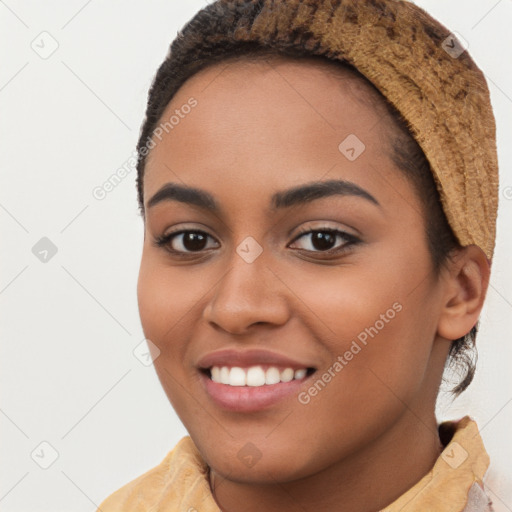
{"x":164,"y":240}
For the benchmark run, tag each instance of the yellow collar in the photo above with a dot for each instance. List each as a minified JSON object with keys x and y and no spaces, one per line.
{"x":454,"y":484}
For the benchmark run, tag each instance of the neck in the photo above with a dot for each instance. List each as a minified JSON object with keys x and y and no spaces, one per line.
{"x":365,"y":481}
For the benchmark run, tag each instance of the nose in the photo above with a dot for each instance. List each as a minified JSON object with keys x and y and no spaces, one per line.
{"x":247,"y":294}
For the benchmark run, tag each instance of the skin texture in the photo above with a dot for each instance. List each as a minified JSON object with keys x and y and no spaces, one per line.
{"x":371,"y":433}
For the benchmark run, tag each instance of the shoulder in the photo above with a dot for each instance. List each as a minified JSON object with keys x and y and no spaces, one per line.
{"x":165,"y":482}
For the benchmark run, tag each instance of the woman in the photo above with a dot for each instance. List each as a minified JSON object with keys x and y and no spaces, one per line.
{"x":318,"y":183}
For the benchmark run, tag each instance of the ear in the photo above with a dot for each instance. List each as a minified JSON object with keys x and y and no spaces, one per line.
{"x":467,"y":280}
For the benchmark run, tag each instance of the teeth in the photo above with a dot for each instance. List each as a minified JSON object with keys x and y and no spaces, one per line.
{"x":224,"y":375}
{"x":272,"y":376}
{"x":287,"y":375}
{"x":215,"y":374}
{"x":237,"y":377}
{"x":300,"y":374}
{"x":254,"y":376}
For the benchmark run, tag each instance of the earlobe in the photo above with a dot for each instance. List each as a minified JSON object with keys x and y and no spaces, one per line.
{"x":467,"y":283}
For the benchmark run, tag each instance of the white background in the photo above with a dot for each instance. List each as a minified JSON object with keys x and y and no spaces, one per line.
{"x":69,"y":326}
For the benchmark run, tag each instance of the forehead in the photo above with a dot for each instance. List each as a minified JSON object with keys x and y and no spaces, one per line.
{"x":273,"y":120}
{"x":314,"y":80}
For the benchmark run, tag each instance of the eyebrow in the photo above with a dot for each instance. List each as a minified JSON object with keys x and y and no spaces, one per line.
{"x":283,"y":199}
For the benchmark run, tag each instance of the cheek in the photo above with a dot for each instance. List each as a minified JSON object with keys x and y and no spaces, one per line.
{"x":155,"y":297}
{"x":378,"y":350}
{"x":378,"y":320}
{"x":167,"y":297}
{"x":168,"y":301}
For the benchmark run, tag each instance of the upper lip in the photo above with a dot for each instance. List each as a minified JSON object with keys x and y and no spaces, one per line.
{"x":250,"y":357}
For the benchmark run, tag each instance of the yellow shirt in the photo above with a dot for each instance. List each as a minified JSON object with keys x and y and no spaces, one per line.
{"x":181,"y":481}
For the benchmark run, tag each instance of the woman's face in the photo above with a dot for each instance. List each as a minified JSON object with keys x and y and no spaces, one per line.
{"x":337,"y":279}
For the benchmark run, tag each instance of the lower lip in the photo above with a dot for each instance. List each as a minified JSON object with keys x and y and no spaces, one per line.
{"x":249,"y":398}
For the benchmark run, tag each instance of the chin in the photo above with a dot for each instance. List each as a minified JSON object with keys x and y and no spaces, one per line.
{"x":244,"y":462}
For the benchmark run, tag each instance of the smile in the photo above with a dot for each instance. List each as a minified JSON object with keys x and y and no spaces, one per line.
{"x":253,"y":388}
{"x":255,"y":376}
{"x":252,"y":379}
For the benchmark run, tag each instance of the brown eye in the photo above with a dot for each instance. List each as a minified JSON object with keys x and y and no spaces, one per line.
{"x":322,"y":241}
{"x":185,"y":241}
{"x":193,"y":241}
{"x":325,"y":240}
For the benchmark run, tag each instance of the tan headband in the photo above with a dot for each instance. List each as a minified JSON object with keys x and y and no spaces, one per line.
{"x":423,"y":70}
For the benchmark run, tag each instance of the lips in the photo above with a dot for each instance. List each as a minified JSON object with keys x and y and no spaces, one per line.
{"x":253,"y":394}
